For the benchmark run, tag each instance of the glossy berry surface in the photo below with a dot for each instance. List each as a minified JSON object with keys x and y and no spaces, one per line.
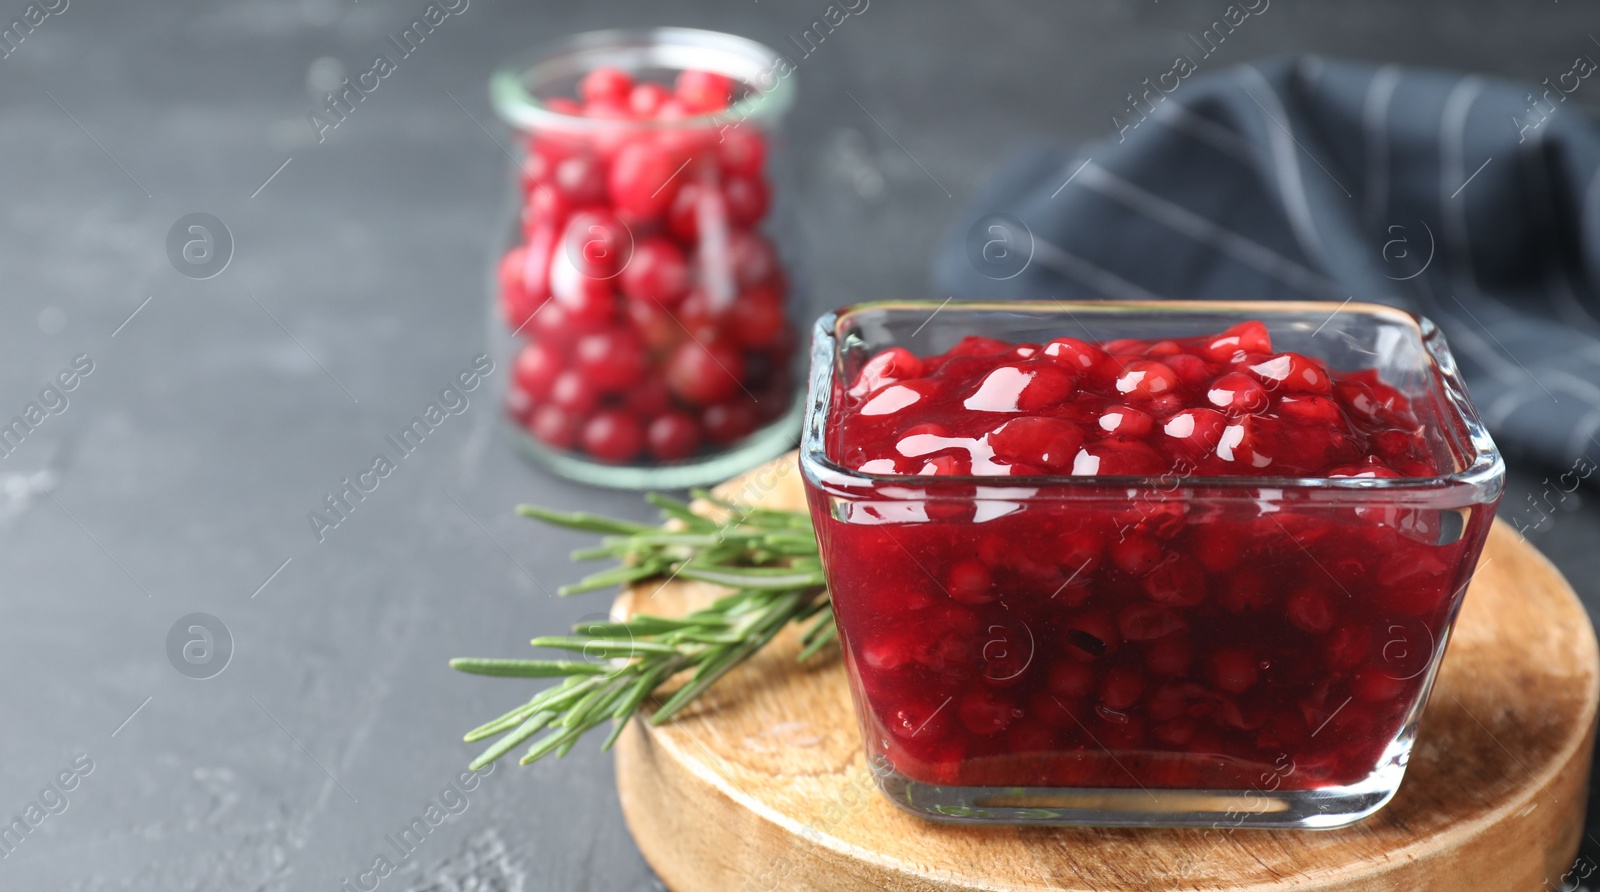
{"x":651,"y":310}
{"x":1141,"y":633}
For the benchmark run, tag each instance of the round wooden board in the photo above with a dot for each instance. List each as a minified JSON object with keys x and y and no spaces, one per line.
{"x":763,"y":785}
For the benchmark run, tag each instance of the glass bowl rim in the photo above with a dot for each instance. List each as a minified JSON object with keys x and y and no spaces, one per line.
{"x":1481,"y":478}
{"x":516,"y":104}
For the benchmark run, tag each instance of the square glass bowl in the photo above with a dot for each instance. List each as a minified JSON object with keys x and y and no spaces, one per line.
{"x":1285,"y":695}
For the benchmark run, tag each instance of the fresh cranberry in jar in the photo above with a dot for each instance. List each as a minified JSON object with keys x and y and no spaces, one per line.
{"x":673,"y":436}
{"x":746,"y":199}
{"x":705,"y":374}
{"x":573,"y":391}
{"x":731,"y":421}
{"x":536,"y":368}
{"x":555,"y":425}
{"x":605,"y":85}
{"x":613,"y":435}
{"x":657,"y":271}
{"x":756,"y":317}
{"x":614,"y":359}
{"x":581,"y":180}
{"x":640,"y":179}
{"x":703,"y":92}
{"x":743,"y":151}
{"x":645,"y":100}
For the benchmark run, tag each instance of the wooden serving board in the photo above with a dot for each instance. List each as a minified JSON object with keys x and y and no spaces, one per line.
{"x":763,"y":785}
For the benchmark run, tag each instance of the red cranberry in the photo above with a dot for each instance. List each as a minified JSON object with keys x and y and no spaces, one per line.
{"x":969,"y":582}
{"x":945,"y":466}
{"x":673,"y":437}
{"x":1314,"y":410}
{"x":641,"y":178}
{"x":752,"y":257}
{"x":649,"y":398}
{"x":1076,"y":355}
{"x":1070,"y":681}
{"x":587,"y":299}
{"x":1149,"y":622}
{"x":516,"y":303}
{"x":1126,"y":421}
{"x":660,"y":332}
{"x":1195,"y":431}
{"x":1137,"y":554}
{"x":536,"y":368}
{"x":684,"y":211}
{"x":1293,"y":373}
{"x":1179,"y":582}
{"x":730,"y":422}
{"x":1237,"y":394}
{"x":657,"y":272}
{"x":893,"y":364}
{"x":1374,"y":686}
{"x":1146,"y":379}
{"x":581,"y":180}
{"x":546,"y":206}
{"x":703,"y":92}
{"x":1046,"y":442}
{"x":1234,"y":671}
{"x":1310,"y":610}
{"x":1120,"y":689}
{"x":1191,"y":370}
{"x":743,"y":151}
{"x":605,"y":85}
{"x":985,"y":712}
{"x":614,"y":360}
{"x":1233,"y":344}
{"x":555,"y":426}
{"x":1111,"y":458}
{"x":572,"y":391}
{"x":613,"y":436}
{"x":746,"y":198}
{"x":756,"y":317}
{"x":646,"y":99}
{"x":705,"y":374}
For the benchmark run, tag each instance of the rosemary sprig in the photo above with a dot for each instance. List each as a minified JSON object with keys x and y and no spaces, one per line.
{"x":767,"y":557}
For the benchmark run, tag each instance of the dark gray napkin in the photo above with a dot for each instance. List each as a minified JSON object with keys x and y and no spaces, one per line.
{"x":1470,"y":200}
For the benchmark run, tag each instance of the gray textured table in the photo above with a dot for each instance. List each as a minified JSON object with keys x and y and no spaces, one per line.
{"x":220,"y":411}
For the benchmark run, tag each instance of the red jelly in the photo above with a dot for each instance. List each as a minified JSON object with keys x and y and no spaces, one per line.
{"x":1155,"y":563}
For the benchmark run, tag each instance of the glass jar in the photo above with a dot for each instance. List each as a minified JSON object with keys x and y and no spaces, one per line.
{"x":1135,"y":649}
{"x":644,"y":303}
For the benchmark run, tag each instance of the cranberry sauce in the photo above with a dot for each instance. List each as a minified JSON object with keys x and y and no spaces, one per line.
{"x":652,"y":305}
{"x":1138,"y":634}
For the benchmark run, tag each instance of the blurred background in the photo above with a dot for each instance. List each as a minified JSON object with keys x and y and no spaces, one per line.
{"x":219,"y":411}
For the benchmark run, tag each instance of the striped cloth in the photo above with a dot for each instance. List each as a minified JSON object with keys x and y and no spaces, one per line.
{"x":1473,"y":201}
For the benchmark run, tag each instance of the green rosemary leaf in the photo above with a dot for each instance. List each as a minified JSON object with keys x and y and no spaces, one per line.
{"x":681,"y":511}
{"x":767,"y":557}
{"x":623,"y":575}
{"x":502,"y":746}
{"x":753,"y":577}
{"x":527,"y":668}
{"x":579,"y":520}
{"x":604,"y":647}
